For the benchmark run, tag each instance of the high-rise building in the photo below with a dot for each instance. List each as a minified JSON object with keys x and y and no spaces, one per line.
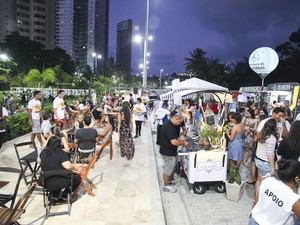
{"x":64,"y":25}
{"x":80,"y":27}
{"x":31,"y":18}
{"x":124,"y":45}
{"x":90,"y":32}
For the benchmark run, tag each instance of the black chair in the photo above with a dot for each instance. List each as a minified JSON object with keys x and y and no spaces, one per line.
{"x":27,"y":161}
{"x":48,"y":194}
{"x":6,"y":198}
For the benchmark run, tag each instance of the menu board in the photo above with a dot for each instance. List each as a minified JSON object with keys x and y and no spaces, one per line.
{"x":210,"y":119}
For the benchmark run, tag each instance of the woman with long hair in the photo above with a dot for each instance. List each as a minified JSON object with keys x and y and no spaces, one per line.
{"x":250,"y":128}
{"x":53,"y":158}
{"x":125,"y":125}
{"x":235,"y":136}
{"x":289,"y":147}
{"x":264,"y":158}
{"x":277,"y":201}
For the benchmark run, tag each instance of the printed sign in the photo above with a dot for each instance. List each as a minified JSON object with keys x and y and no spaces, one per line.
{"x":263,"y":61}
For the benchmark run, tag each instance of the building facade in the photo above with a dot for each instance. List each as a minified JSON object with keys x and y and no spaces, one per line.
{"x":80,"y":27}
{"x":90,"y":33}
{"x":30,"y":18}
{"x":124,"y":46}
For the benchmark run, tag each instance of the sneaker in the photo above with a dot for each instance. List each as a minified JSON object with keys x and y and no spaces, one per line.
{"x":170,"y":189}
{"x":174,"y":183}
{"x":135,"y":136}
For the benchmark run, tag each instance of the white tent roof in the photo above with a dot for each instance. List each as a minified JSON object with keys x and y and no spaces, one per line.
{"x":167,"y":96}
{"x":178,"y":96}
{"x":200,"y":85}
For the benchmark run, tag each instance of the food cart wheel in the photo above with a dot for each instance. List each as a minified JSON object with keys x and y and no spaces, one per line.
{"x":220,"y":187}
{"x":198,"y":188}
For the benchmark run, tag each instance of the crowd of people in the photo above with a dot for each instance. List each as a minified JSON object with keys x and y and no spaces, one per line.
{"x":257,"y":138}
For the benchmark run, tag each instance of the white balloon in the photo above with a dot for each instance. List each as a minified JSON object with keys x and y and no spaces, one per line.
{"x":263,"y":61}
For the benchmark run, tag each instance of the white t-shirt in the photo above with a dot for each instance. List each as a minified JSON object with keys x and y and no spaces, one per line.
{"x":4,"y":113}
{"x":139,"y":110}
{"x":59,"y":105}
{"x":279,"y":126}
{"x":275,"y":203}
{"x":46,"y":127}
{"x":35,"y":105}
{"x":160,"y":114}
{"x":145,"y":99}
{"x":297,"y":117}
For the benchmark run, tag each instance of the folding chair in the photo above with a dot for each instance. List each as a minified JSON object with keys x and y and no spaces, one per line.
{"x":5,"y":198}
{"x":89,"y":186}
{"x":102,"y":147}
{"x":48,"y":195}
{"x":11,"y":216}
{"x":25,"y":161}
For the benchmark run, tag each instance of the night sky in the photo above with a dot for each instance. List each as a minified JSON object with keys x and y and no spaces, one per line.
{"x":228,"y":30}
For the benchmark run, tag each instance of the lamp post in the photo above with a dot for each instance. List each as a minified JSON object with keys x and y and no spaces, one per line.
{"x":161,"y":70}
{"x":95,"y":69}
{"x":96,"y":57}
{"x":146,"y":46}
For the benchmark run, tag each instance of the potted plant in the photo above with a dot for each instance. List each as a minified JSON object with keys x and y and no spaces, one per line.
{"x":234,"y":184}
{"x":210,"y":136}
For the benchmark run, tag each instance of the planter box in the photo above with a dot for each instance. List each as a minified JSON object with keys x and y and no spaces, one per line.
{"x":234,"y":191}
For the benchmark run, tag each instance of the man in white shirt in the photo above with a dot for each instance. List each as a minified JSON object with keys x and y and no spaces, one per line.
{"x":35,"y":116}
{"x":161,"y":116}
{"x":282,"y":124}
{"x":3,"y":117}
{"x":59,"y":108}
{"x":138,"y":109}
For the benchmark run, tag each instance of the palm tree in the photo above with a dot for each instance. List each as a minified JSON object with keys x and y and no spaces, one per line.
{"x":197,"y":64}
{"x":42,"y":80}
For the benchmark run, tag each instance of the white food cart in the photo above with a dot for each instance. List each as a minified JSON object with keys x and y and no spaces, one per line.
{"x":204,"y":168}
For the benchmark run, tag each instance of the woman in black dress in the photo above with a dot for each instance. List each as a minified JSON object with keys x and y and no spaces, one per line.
{"x":53,"y":158}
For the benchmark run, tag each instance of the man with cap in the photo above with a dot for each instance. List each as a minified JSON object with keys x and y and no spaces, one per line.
{"x":161,"y":116}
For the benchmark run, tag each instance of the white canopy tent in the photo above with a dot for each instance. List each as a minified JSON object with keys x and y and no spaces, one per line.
{"x":200,"y":85}
{"x":179,"y":95}
{"x":167,"y":96}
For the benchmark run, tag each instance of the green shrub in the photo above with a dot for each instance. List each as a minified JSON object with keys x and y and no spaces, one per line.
{"x":17,"y":125}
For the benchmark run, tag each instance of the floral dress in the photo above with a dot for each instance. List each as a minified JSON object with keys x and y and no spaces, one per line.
{"x":249,"y":136}
{"x":126,"y":141}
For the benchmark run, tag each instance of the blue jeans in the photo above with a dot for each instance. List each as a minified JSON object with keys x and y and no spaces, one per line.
{"x":263,"y":167}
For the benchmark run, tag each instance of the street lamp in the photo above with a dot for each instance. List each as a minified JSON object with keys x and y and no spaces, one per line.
{"x":146,"y":46}
{"x":96,"y":57}
{"x":161,"y":70}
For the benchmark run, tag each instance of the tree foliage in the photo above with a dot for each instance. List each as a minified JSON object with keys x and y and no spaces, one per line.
{"x":238,"y":73}
{"x":28,"y":54}
{"x":37,"y":79}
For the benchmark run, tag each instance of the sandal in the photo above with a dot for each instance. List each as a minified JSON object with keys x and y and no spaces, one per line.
{"x":251,"y":182}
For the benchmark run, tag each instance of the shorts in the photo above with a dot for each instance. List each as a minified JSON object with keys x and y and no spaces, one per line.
{"x":36,"y":128}
{"x":169,"y":164}
{"x":264,"y":168}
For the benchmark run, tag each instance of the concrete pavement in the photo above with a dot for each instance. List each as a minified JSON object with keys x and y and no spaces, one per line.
{"x":130,"y":192}
{"x":127,"y":191}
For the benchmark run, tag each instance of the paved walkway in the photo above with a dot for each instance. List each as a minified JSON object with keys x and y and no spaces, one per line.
{"x":129,"y":192}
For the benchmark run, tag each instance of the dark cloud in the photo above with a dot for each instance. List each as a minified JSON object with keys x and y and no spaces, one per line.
{"x":225,"y":29}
